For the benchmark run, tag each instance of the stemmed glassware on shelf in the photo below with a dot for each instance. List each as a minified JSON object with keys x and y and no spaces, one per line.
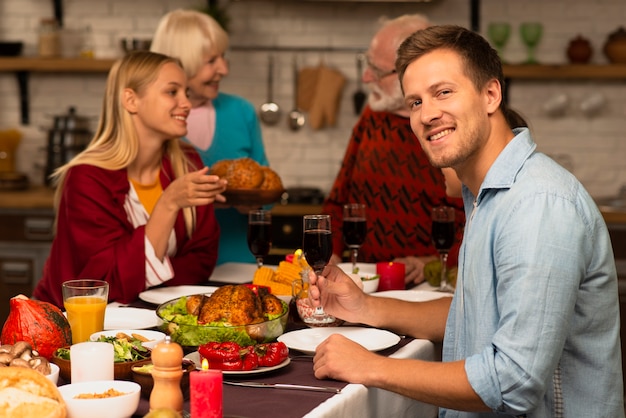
{"x":259,"y":234}
{"x":317,"y":246}
{"x":499,"y":33}
{"x":354,"y":229}
{"x":442,"y":233}
{"x":531,"y":33}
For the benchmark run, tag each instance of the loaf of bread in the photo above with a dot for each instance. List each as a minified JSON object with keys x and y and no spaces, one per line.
{"x":245,"y":173}
{"x":26,"y":393}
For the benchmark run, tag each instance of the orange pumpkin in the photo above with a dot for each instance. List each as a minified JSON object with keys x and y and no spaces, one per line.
{"x":41,"y":324}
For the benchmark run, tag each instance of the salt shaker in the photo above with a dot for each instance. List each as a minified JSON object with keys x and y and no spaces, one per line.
{"x":167,"y":358}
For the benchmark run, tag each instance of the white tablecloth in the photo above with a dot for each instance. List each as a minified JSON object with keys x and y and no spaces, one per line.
{"x":360,"y":401}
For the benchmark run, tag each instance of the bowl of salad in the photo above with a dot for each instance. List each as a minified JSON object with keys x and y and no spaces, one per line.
{"x":127,"y":354}
{"x":190,"y":331}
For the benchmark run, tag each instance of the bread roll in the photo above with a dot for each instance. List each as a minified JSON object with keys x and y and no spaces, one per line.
{"x":271,"y":180}
{"x":220,"y":168}
{"x":244,"y":173}
{"x":26,"y":393}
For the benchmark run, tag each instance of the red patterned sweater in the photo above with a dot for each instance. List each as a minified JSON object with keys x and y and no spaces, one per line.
{"x":385,"y":168}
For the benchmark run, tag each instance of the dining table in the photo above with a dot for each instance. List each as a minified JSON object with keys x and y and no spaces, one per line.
{"x":351,"y":400}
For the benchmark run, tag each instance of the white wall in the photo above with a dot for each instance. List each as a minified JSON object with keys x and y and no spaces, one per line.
{"x":594,"y":146}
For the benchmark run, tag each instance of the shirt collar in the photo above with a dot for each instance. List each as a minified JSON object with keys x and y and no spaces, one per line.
{"x":504,"y":170}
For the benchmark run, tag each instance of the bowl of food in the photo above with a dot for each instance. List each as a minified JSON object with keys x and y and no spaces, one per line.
{"x":53,"y":376}
{"x":126,"y":355}
{"x":101,"y":399}
{"x":370,"y":282}
{"x":147,"y":338}
{"x":364,"y":275}
{"x":142,"y":374}
{"x":244,"y":314}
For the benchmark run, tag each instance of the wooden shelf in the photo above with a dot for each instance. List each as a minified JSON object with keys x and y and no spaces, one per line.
{"x":55,"y":65}
{"x":514,"y":71}
{"x":566,"y":72}
{"x":24,"y":66}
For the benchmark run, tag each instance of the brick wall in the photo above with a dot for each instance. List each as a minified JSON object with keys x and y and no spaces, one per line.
{"x":593,"y":147}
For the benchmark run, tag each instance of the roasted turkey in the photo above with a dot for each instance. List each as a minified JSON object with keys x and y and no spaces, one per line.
{"x":234,"y":305}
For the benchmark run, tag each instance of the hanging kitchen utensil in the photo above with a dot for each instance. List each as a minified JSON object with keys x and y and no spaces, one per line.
{"x":270,"y":111}
{"x":295,"y":119}
{"x":359,"y":96}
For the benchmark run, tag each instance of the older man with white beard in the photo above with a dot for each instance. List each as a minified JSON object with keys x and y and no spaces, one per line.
{"x":385,"y":168}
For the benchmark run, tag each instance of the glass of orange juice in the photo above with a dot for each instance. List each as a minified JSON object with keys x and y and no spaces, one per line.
{"x":85,"y":302}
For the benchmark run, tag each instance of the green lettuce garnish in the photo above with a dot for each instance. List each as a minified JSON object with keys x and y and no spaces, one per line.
{"x":185,"y":330}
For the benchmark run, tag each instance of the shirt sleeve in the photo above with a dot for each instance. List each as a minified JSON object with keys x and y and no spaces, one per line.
{"x":157,"y":271}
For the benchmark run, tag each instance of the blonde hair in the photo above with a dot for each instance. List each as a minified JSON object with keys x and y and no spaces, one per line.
{"x":189,"y":35}
{"x":115,"y":144}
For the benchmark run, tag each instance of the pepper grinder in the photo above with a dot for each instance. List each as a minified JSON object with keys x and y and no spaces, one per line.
{"x":167,"y":357}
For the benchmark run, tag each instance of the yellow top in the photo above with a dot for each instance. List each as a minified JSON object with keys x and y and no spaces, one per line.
{"x":148,"y":193}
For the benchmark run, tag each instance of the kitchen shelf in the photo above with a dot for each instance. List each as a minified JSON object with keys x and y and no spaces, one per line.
{"x":566,"y":72}
{"x":23,"y":66}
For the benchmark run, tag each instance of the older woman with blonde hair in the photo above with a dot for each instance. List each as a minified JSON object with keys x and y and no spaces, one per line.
{"x":135,"y":208}
{"x":221,"y":126}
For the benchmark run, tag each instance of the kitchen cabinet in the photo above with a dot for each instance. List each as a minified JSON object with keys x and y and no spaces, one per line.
{"x":26,"y":232}
{"x":25,"y":240}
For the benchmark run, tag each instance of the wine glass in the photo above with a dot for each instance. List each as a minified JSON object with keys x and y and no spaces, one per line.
{"x":442,"y":234}
{"x":531,"y":35}
{"x":317,"y":246}
{"x":259,"y":234}
{"x":354,"y":229}
{"x":499,"y":33}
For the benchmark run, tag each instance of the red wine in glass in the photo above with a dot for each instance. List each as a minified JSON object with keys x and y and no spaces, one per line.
{"x":442,"y":234}
{"x":354,"y":229}
{"x":259,"y":234}
{"x":317,"y":246}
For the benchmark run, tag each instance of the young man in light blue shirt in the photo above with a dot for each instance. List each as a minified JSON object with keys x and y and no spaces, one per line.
{"x":533,"y":328}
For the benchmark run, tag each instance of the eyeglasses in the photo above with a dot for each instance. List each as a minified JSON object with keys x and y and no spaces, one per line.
{"x":378,"y":73}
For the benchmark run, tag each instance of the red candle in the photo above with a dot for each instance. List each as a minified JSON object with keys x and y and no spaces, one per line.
{"x":205,"y":392}
{"x":391,"y":276}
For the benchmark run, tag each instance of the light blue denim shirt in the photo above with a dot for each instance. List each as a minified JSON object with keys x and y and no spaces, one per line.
{"x":536,"y":311}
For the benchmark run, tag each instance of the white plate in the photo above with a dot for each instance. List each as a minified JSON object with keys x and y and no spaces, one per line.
{"x":130,"y":318}
{"x":307,"y":340}
{"x":413,"y":295}
{"x":163,"y":294}
{"x":153,"y":337}
{"x":195,"y":357}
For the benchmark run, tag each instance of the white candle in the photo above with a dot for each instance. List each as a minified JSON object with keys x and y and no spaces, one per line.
{"x":91,"y":361}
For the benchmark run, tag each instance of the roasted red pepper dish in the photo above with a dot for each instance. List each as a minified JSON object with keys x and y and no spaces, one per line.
{"x":231,"y":356}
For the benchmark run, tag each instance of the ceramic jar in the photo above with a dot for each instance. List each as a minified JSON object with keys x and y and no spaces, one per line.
{"x":579,"y":50}
{"x":615,"y":46}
